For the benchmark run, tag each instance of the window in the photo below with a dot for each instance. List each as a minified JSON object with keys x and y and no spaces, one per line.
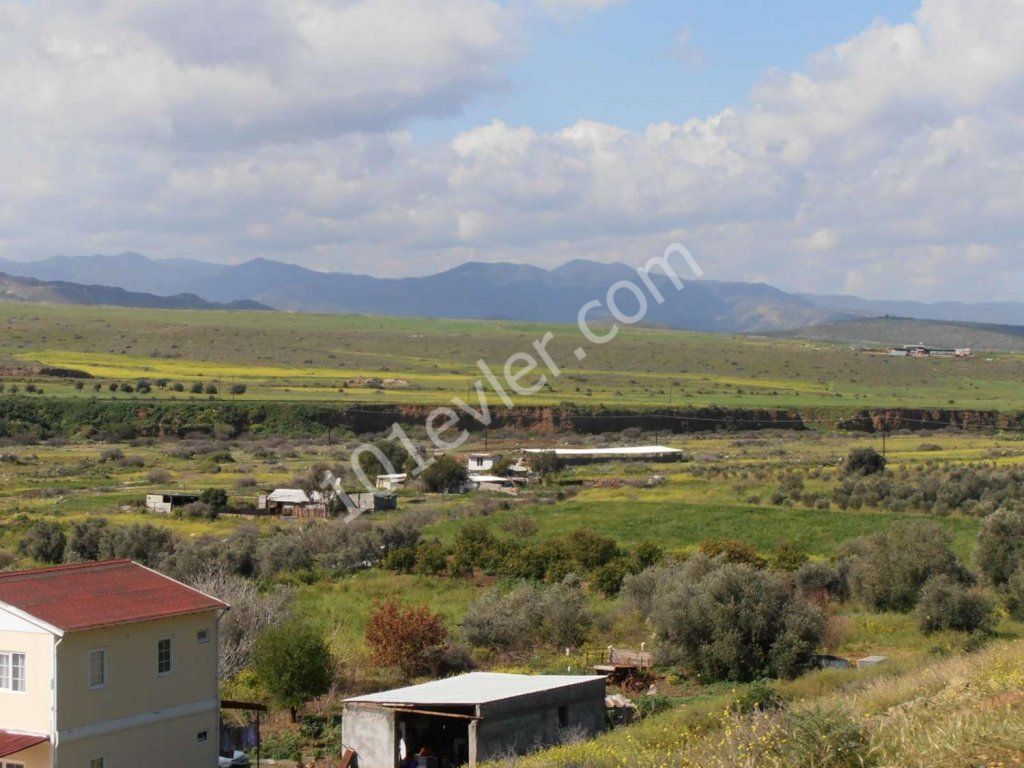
{"x":563,"y":717}
{"x":203,"y":636}
{"x":12,"y":672}
{"x":98,"y":668}
{"x":163,"y":656}
{"x":14,"y":765}
{"x":201,"y":737}
{"x":98,"y":762}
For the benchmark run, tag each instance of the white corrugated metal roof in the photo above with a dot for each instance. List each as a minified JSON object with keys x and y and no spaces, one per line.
{"x":632,"y":450}
{"x":473,"y":688}
{"x":487,"y":479}
{"x":289,"y":496}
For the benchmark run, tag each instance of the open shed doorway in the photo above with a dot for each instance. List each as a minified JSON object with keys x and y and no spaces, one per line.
{"x":433,"y":740}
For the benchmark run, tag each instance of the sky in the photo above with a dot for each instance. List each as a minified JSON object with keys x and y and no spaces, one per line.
{"x":872,"y":147}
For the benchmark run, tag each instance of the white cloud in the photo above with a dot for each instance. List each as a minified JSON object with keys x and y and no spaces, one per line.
{"x":892,"y":164}
{"x":685,"y":50}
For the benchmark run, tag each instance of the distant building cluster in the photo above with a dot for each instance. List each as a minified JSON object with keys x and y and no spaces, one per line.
{"x":923,"y":350}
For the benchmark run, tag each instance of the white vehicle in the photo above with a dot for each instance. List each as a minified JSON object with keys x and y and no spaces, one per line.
{"x":238,"y":760}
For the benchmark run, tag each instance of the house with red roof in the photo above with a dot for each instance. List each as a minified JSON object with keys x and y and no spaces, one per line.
{"x":104,"y":665}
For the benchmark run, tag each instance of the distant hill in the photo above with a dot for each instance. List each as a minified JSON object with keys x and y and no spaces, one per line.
{"x":29,"y":289}
{"x":995,"y":312}
{"x":897,"y":331}
{"x":488,"y":291}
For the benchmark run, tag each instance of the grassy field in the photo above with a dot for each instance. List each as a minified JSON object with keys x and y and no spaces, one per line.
{"x":355,"y":359}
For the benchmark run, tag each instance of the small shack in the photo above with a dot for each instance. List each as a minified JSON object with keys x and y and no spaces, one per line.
{"x":295,"y":502}
{"x":393,"y":482}
{"x":470,"y":718}
{"x":482,"y":462}
{"x":491,"y":483}
{"x":167,"y":501}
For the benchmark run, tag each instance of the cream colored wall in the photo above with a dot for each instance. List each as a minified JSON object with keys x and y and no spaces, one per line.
{"x":168,"y":744}
{"x":31,"y":710}
{"x":38,"y":756}
{"x":133,"y":685}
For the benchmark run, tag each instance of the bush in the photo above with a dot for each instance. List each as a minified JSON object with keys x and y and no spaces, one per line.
{"x":445,"y":475}
{"x":158,"y":476}
{"x":786,"y":556}
{"x":196,"y":388}
{"x":821,"y":580}
{"x":252,"y":611}
{"x":1001,"y":546}
{"x":732,"y":551}
{"x":393,"y":451}
{"x":215,"y":497}
{"x":210,"y":389}
{"x":238,"y":389}
{"x":45,"y":541}
{"x":737,"y":623}
{"x":609,"y":577}
{"x":292,"y":662}
{"x":546,"y":463}
{"x":888,"y":569}
{"x":759,"y":696}
{"x":86,"y":539}
{"x":1013,"y":593}
{"x":864,"y":461}
{"x":407,"y":638}
{"x":825,"y":738}
{"x":528,"y":615}
{"x":948,"y":605}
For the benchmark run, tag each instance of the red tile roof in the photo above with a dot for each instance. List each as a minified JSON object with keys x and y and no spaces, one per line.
{"x":91,"y":595}
{"x":12,"y":743}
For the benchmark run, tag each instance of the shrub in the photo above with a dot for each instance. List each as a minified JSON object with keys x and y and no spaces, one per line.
{"x":210,"y":389}
{"x":888,"y":569}
{"x":215,"y":497}
{"x":609,"y":577}
{"x":737,"y":623}
{"x":392,"y":450}
{"x":759,"y":696}
{"x":144,"y":544}
{"x":252,"y":611}
{"x":196,"y":388}
{"x":732,"y":551}
{"x":1001,"y":546}
{"x":158,"y":476}
{"x":825,"y":738}
{"x":292,"y":662}
{"x":864,"y":461}
{"x":948,"y":605}
{"x":45,"y":541}
{"x":445,"y":475}
{"x":528,"y":615}
{"x":546,"y":463}
{"x":86,"y":539}
{"x":821,"y":580}
{"x":786,"y":556}
{"x":408,"y":638}
{"x":1013,"y":593}
{"x":238,"y":389}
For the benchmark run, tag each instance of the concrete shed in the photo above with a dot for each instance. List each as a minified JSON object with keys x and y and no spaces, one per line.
{"x":470,"y":718}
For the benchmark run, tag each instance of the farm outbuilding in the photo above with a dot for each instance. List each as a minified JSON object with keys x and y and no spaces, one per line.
{"x":470,"y":718}
{"x":167,"y":501}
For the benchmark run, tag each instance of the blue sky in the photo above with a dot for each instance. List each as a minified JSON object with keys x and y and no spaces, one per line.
{"x":865,"y":147}
{"x":625,"y":65}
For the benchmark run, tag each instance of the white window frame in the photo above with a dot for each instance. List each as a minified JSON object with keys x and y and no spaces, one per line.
{"x":203,"y":636}
{"x":14,"y":765}
{"x":103,"y":654}
{"x":7,"y":672}
{"x":169,"y":639}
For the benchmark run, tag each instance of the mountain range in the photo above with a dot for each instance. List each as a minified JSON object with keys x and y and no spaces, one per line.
{"x":14,"y":288}
{"x":487,"y":290}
